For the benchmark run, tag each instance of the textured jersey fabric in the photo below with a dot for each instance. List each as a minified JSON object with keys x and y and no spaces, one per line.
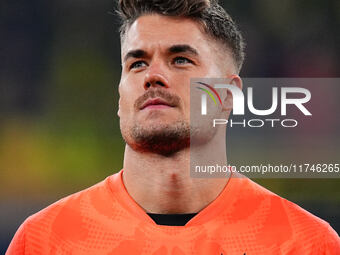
{"x":244,"y":219}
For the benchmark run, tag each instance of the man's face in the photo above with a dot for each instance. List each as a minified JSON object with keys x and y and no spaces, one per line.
{"x":159,"y":56}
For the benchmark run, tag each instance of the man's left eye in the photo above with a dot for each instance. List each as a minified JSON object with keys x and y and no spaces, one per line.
{"x":181,"y":60}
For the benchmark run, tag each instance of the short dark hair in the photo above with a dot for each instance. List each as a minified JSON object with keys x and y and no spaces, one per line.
{"x":216,"y":22}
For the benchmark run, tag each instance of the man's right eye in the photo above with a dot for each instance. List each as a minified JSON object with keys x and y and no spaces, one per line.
{"x":137,"y":64}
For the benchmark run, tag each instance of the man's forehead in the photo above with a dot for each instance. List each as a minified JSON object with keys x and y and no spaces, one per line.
{"x":151,"y":30}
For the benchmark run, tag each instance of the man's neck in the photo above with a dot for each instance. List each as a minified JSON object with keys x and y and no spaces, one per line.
{"x":163,"y":185}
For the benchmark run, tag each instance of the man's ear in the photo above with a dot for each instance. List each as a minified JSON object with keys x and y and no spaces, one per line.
{"x":228,"y":96}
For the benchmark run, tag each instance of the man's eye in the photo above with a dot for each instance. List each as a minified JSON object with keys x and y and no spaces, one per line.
{"x":181,"y":60}
{"x":137,"y":64}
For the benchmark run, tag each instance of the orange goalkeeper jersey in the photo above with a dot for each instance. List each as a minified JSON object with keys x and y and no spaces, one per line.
{"x":244,"y":219}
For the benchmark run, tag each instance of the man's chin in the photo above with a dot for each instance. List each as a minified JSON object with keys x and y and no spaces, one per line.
{"x":166,"y":149}
{"x":160,"y":139}
{"x":156,"y":118}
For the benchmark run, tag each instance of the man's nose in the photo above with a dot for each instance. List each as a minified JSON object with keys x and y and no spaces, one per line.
{"x":155,"y":76}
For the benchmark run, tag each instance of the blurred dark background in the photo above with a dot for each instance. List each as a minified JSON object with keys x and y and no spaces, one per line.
{"x":59,"y":71}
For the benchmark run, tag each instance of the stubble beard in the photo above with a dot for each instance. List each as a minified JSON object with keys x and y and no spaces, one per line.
{"x":168,"y":138}
{"x":162,"y":139}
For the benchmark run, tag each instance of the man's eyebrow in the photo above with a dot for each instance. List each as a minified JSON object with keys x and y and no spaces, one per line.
{"x":178,"y":48}
{"x":182,"y":48}
{"x":138,"y":53}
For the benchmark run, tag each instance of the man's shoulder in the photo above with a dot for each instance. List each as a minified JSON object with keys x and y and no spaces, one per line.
{"x":287,"y":210}
{"x":68,"y":209}
{"x":276,"y":216}
{"x":70,"y":220}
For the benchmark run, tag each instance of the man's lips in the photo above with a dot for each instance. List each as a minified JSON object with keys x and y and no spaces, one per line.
{"x":155,"y":103}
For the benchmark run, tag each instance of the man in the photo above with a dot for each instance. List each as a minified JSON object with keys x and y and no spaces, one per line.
{"x":153,"y":206}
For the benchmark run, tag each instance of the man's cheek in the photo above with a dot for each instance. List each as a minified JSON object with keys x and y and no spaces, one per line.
{"x":125,"y":108}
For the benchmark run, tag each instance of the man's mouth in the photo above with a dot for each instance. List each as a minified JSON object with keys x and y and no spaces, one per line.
{"x":155,"y":103}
